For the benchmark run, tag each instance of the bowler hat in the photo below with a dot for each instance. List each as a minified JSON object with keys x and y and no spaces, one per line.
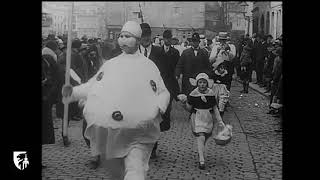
{"x":167,"y":34}
{"x":146,"y":30}
{"x":195,"y":37}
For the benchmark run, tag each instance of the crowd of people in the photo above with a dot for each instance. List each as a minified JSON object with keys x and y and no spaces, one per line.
{"x":106,"y":76}
{"x":263,"y":55}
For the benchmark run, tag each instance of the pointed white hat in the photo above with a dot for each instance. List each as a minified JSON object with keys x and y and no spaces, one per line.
{"x":133,"y":28}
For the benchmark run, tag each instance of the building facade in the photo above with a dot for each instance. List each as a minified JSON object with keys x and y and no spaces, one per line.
{"x":249,"y":18}
{"x":88,"y":19}
{"x":181,"y":17}
{"x":276,"y":19}
{"x":267,"y":18}
{"x":58,"y":11}
{"x":236,"y":18}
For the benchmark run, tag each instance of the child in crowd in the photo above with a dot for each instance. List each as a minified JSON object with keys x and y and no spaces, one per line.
{"x":220,"y":77}
{"x":245,"y":64}
{"x":201,"y":102}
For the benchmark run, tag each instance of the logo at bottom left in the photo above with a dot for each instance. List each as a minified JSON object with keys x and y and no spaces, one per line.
{"x":20,"y":159}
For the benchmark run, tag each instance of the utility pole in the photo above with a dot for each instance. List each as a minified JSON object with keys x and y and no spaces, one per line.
{"x":67,"y":74}
{"x":140,"y":13}
{"x":125,"y":12}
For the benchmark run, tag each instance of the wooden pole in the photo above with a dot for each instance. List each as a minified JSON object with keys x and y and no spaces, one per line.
{"x":67,"y":75}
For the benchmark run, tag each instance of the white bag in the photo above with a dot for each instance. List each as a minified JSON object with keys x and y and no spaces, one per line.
{"x":222,"y":133}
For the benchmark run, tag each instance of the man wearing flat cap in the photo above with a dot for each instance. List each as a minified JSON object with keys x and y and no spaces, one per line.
{"x":192,"y":62}
{"x":124,"y":103}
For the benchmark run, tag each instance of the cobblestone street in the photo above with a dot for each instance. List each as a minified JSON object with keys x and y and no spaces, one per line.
{"x":255,"y":152}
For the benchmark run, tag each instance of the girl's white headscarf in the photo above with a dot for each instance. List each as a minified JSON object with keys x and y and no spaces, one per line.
{"x":194,"y":82}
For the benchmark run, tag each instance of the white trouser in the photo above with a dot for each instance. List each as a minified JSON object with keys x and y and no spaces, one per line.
{"x":136,"y":163}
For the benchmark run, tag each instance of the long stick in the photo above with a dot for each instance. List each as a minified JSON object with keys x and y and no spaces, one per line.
{"x":67,"y":75}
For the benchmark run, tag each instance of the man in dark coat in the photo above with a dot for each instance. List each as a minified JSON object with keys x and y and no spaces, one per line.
{"x":155,"y":53}
{"x":192,"y":62}
{"x":240,"y":45}
{"x":252,"y":43}
{"x":259,"y":59}
{"x":92,"y":60}
{"x":170,"y":57}
{"x":49,"y":97}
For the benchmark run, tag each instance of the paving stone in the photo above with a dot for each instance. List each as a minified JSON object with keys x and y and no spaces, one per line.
{"x":255,"y":149}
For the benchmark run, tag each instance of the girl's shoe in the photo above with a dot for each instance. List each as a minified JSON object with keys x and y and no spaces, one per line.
{"x":202,"y":166}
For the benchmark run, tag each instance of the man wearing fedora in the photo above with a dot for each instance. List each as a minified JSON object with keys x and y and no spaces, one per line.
{"x":192,"y":61}
{"x":169,"y":57}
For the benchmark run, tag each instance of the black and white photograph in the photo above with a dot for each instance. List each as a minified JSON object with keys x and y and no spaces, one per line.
{"x":161,"y":90}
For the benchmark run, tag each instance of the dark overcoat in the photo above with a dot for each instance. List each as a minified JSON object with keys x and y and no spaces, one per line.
{"x":158,"y":57}
{"x":170,"y":59}
{"x":190,"y":66}
{"x":49,"y":97}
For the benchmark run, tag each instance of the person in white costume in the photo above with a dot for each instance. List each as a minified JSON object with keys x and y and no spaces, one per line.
{"x":124,"y":101}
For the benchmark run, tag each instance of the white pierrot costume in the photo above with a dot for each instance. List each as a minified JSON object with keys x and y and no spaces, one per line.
{"x":123,"y":103}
